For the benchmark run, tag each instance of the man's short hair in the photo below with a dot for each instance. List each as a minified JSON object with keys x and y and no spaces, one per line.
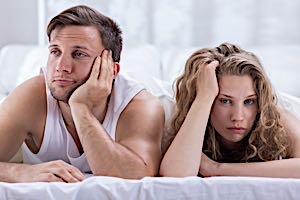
{"x":82,"y":15}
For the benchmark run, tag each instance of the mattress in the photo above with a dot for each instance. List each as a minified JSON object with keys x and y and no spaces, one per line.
{"x":218,"y":188}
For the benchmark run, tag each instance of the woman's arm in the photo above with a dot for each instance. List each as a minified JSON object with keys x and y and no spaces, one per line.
{"x":286,"y":168}
{"x":183,"y":156}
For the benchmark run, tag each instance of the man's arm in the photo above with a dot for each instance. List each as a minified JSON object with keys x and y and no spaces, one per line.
{"x":22,"y":113}
{"x":137,"y":150}
{"x":18,"y":117}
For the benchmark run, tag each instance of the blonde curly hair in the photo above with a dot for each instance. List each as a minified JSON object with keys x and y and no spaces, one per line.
{"x":267,"y":140}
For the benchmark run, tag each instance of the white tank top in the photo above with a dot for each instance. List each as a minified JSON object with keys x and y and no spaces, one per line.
{"x":57,"y":142}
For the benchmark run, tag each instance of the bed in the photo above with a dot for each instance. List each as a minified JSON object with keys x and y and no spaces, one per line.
{"x":20,"y":62}
{"x":214,"y":188}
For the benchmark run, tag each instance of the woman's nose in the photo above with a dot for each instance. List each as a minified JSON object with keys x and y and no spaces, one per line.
{"x":237,"y":113}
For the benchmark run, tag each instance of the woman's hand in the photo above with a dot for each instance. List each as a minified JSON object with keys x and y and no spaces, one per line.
{"x":207,"y":83}
{"x":208,"y":167}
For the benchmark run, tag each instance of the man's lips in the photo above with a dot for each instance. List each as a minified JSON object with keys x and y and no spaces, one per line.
{"x":63,"y":82}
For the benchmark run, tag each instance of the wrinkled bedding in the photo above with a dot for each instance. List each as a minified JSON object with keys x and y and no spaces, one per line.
{"x":223,"y":188}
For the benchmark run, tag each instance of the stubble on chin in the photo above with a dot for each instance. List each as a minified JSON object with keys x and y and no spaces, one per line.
{"x":68,"y":93}
{"x":63,"y":97}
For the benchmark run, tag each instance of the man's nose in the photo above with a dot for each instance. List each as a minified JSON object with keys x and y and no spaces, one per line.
{"x":64,"y":64}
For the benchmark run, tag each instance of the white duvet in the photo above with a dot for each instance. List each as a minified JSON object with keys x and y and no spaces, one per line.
{"x":223,"y":188}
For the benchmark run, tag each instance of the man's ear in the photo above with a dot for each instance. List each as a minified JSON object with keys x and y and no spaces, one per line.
{"x":116,"y":69}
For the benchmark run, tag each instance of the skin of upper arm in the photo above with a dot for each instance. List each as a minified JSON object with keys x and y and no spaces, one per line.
{"x":20,"y":114}
{"x":140,"y":129}
{"x":292,"y":125}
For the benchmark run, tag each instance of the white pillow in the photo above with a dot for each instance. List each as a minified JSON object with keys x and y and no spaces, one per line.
{"x":141,"y":63}
{"x":35,"y":59}
{"x":173,"y":62}
{"x":11,"y":61}
{"x":281,"y":63}
{"x":290,"y":102}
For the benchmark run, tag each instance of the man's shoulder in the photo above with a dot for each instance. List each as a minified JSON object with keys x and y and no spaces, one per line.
{"x":31,"y":93}
{"x":144,"y":101}
{"x":26,"y":105}
{"x":145,"y":97}
{"x":33,"y":88}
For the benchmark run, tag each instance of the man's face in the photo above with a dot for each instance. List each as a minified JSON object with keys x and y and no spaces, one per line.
{"x":72,"y":51}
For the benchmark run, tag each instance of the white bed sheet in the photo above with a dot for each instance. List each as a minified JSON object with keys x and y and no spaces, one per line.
{"x":214,"y":188}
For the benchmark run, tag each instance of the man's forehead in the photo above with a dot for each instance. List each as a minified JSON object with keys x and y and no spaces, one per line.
{"x":76,"y":32}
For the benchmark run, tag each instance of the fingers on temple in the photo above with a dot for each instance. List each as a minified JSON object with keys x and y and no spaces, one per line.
{"x":96,"y":68}
{"x":106,"y":73}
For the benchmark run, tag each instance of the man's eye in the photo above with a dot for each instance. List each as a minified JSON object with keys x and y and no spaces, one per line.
{"x":55,"y":52}
{"x":79,"y":54}
{"x":249,"y":101}
{"x":225,"y":101}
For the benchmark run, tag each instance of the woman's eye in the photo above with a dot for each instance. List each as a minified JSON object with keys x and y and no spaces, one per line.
{"x":249,"y":101}
{"x":225,"y":101}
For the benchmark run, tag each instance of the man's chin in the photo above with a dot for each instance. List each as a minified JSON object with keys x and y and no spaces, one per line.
{"x":64,"y":98}
{"x":63,"y":95}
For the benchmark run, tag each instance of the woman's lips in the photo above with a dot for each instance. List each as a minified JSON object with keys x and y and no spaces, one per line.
{"x":238,"y":130}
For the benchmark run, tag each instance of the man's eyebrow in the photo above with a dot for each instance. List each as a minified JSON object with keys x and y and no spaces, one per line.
{"x":80,"y":47}
{"x":74,"y":47}
{"x":53,"y":45}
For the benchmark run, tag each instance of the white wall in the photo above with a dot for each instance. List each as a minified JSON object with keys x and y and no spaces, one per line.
{"x":18,"y":22}
{"x":181,"y":24}
{"x":167,"y":23}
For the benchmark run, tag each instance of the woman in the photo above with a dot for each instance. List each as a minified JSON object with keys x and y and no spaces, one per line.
{"x":227,"y":120}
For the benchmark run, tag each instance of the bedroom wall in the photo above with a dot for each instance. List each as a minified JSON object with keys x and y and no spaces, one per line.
{"x":182,"y":24}
{"x":197,"y":22}
{"x":18,"y":22}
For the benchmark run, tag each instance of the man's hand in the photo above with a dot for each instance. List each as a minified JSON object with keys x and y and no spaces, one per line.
{"x":54,"y":171}
{"x":99,"y":85}
{"x":208,"y":167}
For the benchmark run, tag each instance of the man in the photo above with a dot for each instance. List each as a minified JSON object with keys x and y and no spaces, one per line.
{"x":80,"y":115}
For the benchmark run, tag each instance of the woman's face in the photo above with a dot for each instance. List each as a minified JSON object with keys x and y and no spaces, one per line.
{"x":235,"y":108}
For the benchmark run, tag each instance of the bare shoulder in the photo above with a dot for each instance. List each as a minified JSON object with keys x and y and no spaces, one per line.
{"x":145,"y":112}
{"x":144,"y":104}
{"x":144,"y":98}
{"x":22,"y":113}
{"x":27,"y":101}
{"x":292,"y":126}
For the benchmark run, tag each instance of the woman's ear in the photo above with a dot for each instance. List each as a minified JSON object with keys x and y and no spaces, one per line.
{"x":116,"y":69}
